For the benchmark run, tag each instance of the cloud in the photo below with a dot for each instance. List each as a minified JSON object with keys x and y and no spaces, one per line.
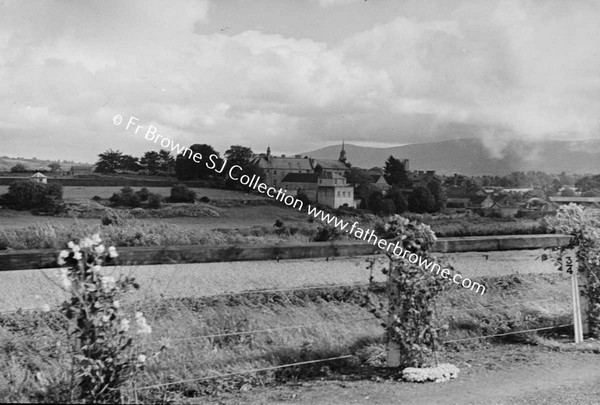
{"x":495,"y":70}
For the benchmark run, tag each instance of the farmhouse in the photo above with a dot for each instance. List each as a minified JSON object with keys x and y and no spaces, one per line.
{"x":334,"y":192}
{"x":39,"y":178}
{"x":81,"y":170}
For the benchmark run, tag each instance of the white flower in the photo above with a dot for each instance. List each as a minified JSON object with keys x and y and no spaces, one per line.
{"x":86,"y":243}
{"x":141,"y":358}
{"x":112,"y":252}
{"x":116,"y":304}
{"x":70,"y":245}
{"x":96,"y":238}
{"x":60,"y":261}
{"x":64,"y":254}
{"x":105,"y":318}
{"x":124,"y":325}
{"x":99,"y":249}
{"x":95,"y":269}
{"x":77,"y":255}
{"x":75,"y":248}
{"x":108,"y":283}
{"x":143,"y":327}
{"x":46,"y":308}
{"x":138,"y":315}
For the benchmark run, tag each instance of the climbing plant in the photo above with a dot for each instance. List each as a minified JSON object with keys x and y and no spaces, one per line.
{"x":409,"y":316}
{"x":584,"y":225}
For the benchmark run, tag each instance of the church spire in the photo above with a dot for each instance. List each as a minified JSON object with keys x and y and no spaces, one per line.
{"x":342,"y":157}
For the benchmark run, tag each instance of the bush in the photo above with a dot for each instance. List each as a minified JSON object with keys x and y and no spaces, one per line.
{"x":204,"y":199}
{"x":143,"y":194}
{"x":154,"y":201}
{"x":180,"y":193}
{"x":27,"y":194}
{"x":97,"y":198}
{"x":126,"y":197}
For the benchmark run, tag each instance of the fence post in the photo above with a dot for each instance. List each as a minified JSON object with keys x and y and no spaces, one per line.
{"x":578,"y":286}
{"x":393,"y":349}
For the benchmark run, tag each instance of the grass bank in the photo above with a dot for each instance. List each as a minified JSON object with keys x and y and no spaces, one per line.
{"x":268,"y":329}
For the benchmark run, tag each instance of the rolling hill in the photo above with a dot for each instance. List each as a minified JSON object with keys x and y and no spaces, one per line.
{"x":471,"y":157}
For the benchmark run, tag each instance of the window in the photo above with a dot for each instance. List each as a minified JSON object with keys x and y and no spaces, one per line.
{"x":338,"y":193}
{"x":343,"y":194}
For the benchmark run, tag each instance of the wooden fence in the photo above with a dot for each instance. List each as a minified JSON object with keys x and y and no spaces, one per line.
{"x":155,"y":255}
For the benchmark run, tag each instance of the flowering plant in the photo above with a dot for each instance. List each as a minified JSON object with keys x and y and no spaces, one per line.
{"x":410,"y":320}
{"x":584,"y":225}
{"x":104,"y":357}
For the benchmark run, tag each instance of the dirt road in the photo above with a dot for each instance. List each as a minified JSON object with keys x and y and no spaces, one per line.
{"x":498,"y":374}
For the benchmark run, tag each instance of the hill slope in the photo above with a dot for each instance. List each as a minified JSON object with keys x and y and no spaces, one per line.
{"x":471,"y":157}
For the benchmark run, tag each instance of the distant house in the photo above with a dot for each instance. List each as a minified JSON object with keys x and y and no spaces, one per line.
{"x":276,"y":168}
{"x":39,"y":178}
{"x":575,"y":199}
{"x":339,"y":166}
{"x":334,"y":192}
{"x":379,"y":182}
{"x":306,"y":182}
{"x":81,"y":170}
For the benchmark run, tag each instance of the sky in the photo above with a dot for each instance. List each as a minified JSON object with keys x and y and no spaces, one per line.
{"x":295,"y":75}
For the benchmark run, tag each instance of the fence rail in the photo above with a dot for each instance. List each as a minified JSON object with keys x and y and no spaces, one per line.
{"x":149,"y":255}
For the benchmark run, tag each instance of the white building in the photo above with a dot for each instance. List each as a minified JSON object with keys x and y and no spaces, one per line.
{"x":39,"y":178}
{"x":334,"y":192}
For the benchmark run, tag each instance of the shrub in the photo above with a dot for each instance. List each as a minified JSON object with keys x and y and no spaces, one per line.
{"x":97,"y":198}
{"x":143,"y":194}
{"x":204,"y":199}
{"x":327,"y":232}
{"x":126,"y":197}
{"x":27,"y":194}
{"x":180,"y":193}
{"x":112,"y":217}
{"x":154,"y":201}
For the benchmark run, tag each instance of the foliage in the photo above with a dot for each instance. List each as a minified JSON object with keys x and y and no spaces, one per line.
{"x":126,"y":197}
{"x":27,"y":194}
{"x":241,"y":156}
{"x":157,"y":162}
{"x":594,"y":192}
{"x":54,"y":167}
{"x":113,"y":161}
{"x":180,"y":193}
{"x":588,"y":183}
{"x":19,"y":168}
{"x":421,"y":201}
{"x":410,"y":320}
{"x":584,"y":225}
{"x":437,"y":191}
{"x":397,"y":197}
{"x":395,"y":173}
{"x":187,"y":169}
{"x":567,"y":192}
{"x":104,"y":355}
{"x":326,"y":233}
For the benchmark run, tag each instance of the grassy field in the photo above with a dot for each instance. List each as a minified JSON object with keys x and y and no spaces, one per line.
{"x":304,"y":325}
{"x":86,"y":193}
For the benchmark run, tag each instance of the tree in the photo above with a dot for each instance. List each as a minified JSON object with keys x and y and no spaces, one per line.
{"x":379,"y":204}
{"x":151,"y":162}
{"x":567,"y":192}
{"x":187,"y":169}
{"x":439,"y":195}
{"x":54,"y":167}
{"x":129,"y":163}
{"x":166,"y":161}
{"x":588,"y":182}
{"x":241,"y":156}
{"x":395,"y":173}
{"x":398,"y":198}
{"x":421,"y":201}
{"x":180,"y":193}
{"x":109,"y":161}
{"x":18,"y":168}
{"x":27,"y":194}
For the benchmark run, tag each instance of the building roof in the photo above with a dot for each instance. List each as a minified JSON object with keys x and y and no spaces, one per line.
{"x":300,"y":178}
{"x":330,"y":175}
{"x":575,"y":199}
{"x":331,"y":164}
{"x":82,"y":167}
{"x":39,"y":175}
{"x":283,"y":163}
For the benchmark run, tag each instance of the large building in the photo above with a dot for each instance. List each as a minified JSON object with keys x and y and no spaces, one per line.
{"x":334,"y":192}
{"x":306,"y":182}
{"x":276,"y":168}
{"x":339,"y":166}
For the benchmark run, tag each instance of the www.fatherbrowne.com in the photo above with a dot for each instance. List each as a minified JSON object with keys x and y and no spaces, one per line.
{"x":219,"y":165}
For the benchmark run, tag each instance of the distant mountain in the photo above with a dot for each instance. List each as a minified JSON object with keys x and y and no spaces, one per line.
{"x":472,"y":157}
